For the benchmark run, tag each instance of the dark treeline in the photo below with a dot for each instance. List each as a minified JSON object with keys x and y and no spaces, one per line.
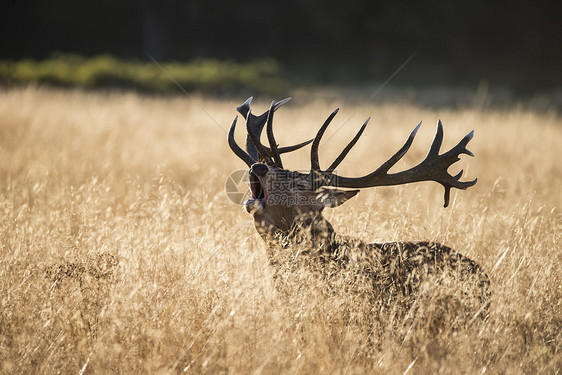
{"x":510,"y":40}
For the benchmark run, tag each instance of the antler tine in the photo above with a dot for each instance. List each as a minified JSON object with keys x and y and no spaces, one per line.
{"x":437,"y":140}
{"x":286,"y":149}
{"x":280,"y":103}
{"x":272,"y":144}
{"x":346,"y":150}
{"x":433,"y":168}
{"x":283,"y":150}
{"x":251,"y":126}
{"x":245,"y":107}
{"x":314,"y":160}
{"x":385,"y":167}
{"x":460,"y":148}
{"x":235,"y":148}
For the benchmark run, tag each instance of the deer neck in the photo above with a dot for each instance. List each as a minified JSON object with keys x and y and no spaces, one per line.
{"x":312,"y":233}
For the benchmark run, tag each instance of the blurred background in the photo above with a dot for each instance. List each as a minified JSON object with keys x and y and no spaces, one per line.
{"x":440,"y":52}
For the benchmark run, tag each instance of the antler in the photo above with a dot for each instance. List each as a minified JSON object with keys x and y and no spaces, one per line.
{"x":432,"y":168}
{"x":246,"y":158}
{"x":255,"y":150}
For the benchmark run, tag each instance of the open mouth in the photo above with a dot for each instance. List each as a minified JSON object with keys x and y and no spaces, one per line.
{"x":256,"y":188}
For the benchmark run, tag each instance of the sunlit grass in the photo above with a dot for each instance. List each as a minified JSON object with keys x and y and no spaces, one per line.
{"x":84,"y":174}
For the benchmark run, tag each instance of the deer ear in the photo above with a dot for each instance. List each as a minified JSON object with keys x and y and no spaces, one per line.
{"x":334,"y":197}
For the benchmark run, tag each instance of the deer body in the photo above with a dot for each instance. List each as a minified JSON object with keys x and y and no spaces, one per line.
{"x":287,"y":209}
{"x":394,"y":268}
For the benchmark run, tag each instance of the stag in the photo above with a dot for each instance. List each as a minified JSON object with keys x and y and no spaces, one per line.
{"x":287,"y":209}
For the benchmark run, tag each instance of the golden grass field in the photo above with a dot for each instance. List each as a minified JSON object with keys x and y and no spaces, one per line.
{"x":87,"y":176}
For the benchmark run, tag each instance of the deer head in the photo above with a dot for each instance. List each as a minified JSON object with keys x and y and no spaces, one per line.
{"x":282,"y":199}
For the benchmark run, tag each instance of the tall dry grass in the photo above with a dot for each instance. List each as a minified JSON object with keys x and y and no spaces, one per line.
{"x":87,"y":175}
